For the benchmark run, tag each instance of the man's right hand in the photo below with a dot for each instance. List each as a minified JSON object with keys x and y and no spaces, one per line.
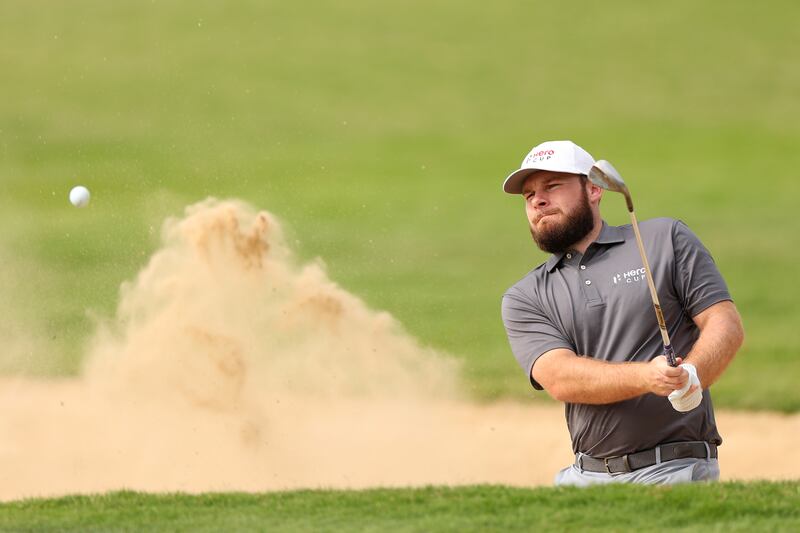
{"x":660,"y":378}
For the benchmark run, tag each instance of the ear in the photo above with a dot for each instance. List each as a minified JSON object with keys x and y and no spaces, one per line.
{"x":595,"y":193}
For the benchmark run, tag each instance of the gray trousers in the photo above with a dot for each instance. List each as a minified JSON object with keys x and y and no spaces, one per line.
{"x":666,"y":473}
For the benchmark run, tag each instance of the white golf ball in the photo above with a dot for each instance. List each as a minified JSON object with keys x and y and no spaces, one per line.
{"x":79,"y":196}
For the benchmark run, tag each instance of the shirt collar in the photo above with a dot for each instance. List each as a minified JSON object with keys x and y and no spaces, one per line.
{"x":608,"y":235}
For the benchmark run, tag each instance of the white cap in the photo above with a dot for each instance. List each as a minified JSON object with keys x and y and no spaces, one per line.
{"x":557,"y":156}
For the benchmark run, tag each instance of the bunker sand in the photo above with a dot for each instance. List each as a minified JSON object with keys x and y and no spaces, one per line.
{"x":60,"y":439}
{"x":229,"y":366}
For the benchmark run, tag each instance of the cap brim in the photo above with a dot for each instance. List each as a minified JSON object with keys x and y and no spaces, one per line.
{"x":515,"y":180}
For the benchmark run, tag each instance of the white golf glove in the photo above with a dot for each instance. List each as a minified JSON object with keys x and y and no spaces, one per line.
{"x":679,"y":399}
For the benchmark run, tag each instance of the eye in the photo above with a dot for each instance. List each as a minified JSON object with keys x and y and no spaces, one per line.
{"x":552,"y":186}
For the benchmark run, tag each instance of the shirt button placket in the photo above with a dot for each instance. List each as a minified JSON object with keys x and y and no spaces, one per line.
{"x":590,"y":291}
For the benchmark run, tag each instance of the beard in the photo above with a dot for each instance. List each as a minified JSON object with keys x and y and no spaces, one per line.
{"x":558,"y":238}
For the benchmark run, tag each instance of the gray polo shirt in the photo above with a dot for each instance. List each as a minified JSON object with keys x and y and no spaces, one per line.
{"x":598,"y":305}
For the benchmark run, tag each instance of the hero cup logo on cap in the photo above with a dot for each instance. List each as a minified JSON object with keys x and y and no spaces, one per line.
{"x":556,"y":156}
{"x":535,"y":157}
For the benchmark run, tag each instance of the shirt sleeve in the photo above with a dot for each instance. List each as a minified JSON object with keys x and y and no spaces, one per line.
{"x":530,"y":332}
{"x":697,"y":279}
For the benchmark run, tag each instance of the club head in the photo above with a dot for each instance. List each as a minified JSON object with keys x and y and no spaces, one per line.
{"x":603,"y":174}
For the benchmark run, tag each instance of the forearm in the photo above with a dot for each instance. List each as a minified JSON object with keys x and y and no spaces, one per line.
{"x":573,"y":379}
{"x":721,"y":336}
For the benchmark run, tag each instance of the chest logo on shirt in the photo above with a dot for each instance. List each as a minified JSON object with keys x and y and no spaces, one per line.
{"x":631,"y":276}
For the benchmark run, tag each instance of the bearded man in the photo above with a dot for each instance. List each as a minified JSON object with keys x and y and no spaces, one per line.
{"x":582,"y":327}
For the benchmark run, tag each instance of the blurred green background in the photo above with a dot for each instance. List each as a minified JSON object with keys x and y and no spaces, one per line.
{"x":380,"y":133}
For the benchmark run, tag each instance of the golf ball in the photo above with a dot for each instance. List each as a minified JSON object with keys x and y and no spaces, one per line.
{"x":79,"y":196}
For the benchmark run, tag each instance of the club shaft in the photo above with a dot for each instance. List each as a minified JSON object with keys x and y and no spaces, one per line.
{"x":662,"y":326}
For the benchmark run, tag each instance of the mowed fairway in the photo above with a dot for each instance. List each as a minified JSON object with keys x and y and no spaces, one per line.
{"x":723,"y":507}
{"x":379,"y":134}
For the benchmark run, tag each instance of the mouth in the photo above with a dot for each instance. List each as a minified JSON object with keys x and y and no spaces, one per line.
{"x":544,"y":215}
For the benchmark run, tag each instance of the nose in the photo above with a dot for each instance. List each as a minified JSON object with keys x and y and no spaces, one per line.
{"x":540,"y":201}
{"x":536,"y":205}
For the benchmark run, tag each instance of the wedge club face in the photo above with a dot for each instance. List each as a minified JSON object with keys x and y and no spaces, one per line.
{"x":603,"y":174}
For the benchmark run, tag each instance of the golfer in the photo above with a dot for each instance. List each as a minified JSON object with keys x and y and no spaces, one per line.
{"x":582,"y":327}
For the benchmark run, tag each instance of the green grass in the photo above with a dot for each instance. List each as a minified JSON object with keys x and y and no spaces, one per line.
{"x":380,"y":133}
{"x":718,"y":507}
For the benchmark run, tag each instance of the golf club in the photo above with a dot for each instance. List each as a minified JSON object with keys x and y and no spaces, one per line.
{"x":604,"y":175}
